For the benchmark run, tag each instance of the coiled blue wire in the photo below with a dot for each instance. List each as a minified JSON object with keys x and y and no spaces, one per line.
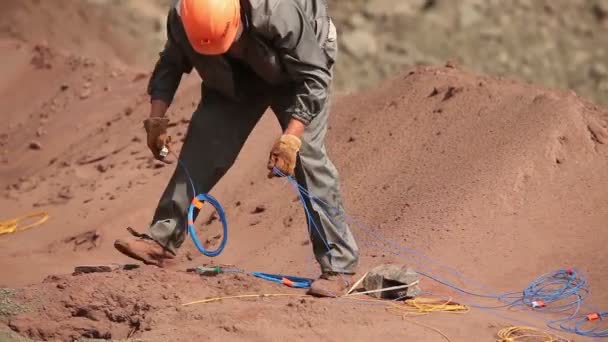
{"x":191,"y":210}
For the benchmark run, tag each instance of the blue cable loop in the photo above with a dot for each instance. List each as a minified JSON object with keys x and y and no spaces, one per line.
{"x":580,"y":325}
{"x":191,"y":210}
{"x":191,"y":229}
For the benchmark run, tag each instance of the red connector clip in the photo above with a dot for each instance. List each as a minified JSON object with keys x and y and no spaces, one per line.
{"x":198,"y":204}
{"x":593,"y":317}
{"x":570,"y":271}
{"x":538,"y":304}
{"x":287,"y":282}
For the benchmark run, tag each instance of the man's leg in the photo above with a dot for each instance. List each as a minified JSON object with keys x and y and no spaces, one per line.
{"x":333,"y":243}
{"x":216,"y":134}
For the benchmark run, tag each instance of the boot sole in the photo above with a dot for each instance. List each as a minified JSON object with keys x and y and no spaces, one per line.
{"x":124,"y":249}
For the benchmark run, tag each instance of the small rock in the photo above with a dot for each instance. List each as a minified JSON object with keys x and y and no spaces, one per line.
{"x":64,"y":87}
{"x":600,"y":10}
{"x":140,"y":76}
{"x":452,"y":91}
{"x":259,"y":209}
{"x":94,"y":269}
{"x":65,"y":193}
{"x":598,"y":71}
{"x":452,"y":64}
{"x":85,"y":94}
{"x":351,"y":139}
{"x":35,"y":145}
{"x":360,"y":43}
{"x":389,"y":275}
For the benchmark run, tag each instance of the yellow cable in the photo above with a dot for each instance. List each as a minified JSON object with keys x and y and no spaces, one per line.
{"x":425,"y":306}
{"x":520,"y":333}
{"x":421,"y":305}
{"x":12,"y":225}
{"x":205,"y":301}
{"x":428,"y":327}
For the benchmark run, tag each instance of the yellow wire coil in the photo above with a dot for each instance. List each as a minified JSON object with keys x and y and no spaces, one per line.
{"x":517,"y":333}
{"x":13,"y":225}
{"x":424,"y":306}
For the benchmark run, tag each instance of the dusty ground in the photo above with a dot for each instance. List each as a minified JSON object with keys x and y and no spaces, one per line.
{"x":501,"y":179}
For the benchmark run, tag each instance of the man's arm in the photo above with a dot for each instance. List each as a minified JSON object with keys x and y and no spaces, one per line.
{"x":168,"y":71}
{"x":162,"y":87}
{"x":293,"y":36}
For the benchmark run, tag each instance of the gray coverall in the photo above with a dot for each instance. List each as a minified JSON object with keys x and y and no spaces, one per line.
{"x":283,"y":60}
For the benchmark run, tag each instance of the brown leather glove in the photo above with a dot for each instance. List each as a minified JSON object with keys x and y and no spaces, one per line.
{"x":284,"y":154}
{"x":156,"y":127}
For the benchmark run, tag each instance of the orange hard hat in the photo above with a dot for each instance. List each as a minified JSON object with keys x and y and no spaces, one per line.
{"x":211,"y":25}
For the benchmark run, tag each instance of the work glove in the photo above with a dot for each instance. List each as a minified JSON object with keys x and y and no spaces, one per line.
{"x":156,"y":127}
{"x":284,"y":154}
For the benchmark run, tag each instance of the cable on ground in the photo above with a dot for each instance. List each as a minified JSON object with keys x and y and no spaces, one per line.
{"x":522,"y":333}
{"x":264,"y":295}
{"x":195,"y":206}
{"x":15,"y":225}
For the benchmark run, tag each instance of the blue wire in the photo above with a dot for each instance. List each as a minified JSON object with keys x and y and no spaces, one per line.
{"x":191,"y":210}
{"x":298,"y":282}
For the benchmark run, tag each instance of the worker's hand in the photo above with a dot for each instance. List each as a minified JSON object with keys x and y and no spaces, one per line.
{"x":284,"y":154}
{"x":156,"y":127}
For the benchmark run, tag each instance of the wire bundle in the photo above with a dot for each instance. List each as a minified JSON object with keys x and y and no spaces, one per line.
{"x":423,"y":306}
{"x":559,"y":291}
{"x":520,"y":333}
{"x":15,"y":225}
{"x":592,"y":325}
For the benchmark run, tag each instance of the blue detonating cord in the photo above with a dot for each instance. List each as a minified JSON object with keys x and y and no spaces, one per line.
{"x":195,"y":206}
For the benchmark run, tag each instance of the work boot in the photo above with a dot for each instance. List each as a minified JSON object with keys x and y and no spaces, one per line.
{"x":331,"y":285}
{"x":145,"y":250}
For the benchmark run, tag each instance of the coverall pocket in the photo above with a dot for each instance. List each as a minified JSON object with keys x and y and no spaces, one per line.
{"x":330,"y":46}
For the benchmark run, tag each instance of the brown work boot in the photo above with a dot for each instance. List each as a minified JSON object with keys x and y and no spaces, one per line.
{"x":145,"y":250}
{"x":331,"y":285}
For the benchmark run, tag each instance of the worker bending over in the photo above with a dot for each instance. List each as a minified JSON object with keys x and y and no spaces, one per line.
{"x":251,"y":55}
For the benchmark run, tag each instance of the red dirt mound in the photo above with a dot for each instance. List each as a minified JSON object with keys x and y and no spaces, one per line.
{"x":502,"y":180}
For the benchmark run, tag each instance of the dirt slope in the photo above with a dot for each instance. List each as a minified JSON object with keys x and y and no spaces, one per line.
{"x":500,"y":179}
{"x":106,"y":30}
